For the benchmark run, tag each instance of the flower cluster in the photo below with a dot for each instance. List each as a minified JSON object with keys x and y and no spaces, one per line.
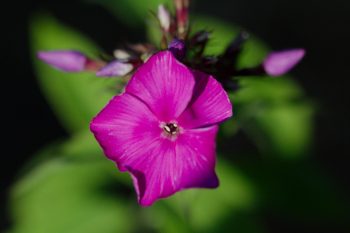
{"x":162,"y":128}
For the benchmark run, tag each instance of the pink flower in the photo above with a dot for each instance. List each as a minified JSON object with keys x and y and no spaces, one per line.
{"x":162,"y":129}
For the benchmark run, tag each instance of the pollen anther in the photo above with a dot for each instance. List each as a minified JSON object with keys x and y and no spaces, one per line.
{"x":171,"y":128}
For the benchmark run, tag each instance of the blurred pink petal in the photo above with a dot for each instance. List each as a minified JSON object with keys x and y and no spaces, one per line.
{"x":115,"y":69}
{"x":279,"y":63}
{"x":66,"y":60}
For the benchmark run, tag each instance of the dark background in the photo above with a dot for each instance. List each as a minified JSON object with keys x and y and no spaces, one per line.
{"x":322,"y":27}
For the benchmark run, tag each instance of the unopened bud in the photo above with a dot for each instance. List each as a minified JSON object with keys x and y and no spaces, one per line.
{"x":164,"y":18}
{"x":182,"y":17}
{"x":115,"y":69}
{"x":121,"y":54}
{"x":66,"y":60}
{"x":279,"y":63}
{"x":177,"y":47}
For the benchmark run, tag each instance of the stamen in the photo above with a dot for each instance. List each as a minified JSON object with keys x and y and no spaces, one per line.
{"x":171,"y":128}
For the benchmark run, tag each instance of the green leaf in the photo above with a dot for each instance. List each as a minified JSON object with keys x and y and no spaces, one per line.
{"x":82,"y":146}
{"x":205,"y":210}
{"x":133,"y":13}
{"x":65,"y":196}
{"x":275,"y":115}
{"x":272,"y":90}
{"x":75,"y":98}
{"x":223,"y":33}
{"x":298,"y":190}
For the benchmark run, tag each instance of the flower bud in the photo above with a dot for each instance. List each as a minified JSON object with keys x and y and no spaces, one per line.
{"x":115,"y":68}
{"x":121,"y":54}
{"x":200,"y":38}
{"x":279,"y":63}
{"x":164,"y":18}
{"x":177,"y":47}
{"x":66,"y":60}
{"x":182,"y":17}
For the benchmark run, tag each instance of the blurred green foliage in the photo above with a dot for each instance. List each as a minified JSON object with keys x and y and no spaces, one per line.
{"x":274,"y":113}
{"x":75,"y":189}
{"x":62,"y":195}
{"x":133,"y":13}
{"x":75,"y":97}
{"x":72,"y":187}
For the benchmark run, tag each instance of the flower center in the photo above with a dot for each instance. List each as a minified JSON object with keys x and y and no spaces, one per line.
{"x":171,"y":128}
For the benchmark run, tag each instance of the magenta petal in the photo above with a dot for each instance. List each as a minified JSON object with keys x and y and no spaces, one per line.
{"x":279,"y":63}
{"x":172,"y":166}
{"x":66,"y":60}
{"x":115,"y":68}
{"x":210,"y":103}
{"x":197,"y":150}
{"x":164,"y":84}
{"x":125,"y":128}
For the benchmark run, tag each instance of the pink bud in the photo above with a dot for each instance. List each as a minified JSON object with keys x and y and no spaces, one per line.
{"x":66,"y":60}
{"x":279,"y":63}
{"x":115,"y":68}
